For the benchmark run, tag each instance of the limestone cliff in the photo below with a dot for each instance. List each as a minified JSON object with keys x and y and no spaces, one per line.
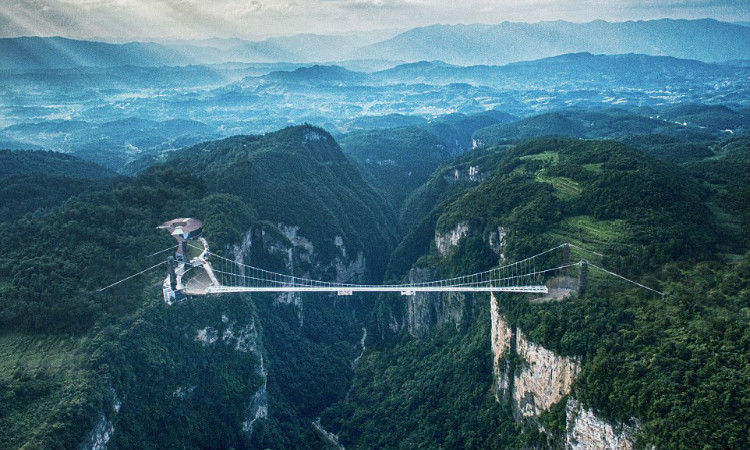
{"x":424,"y":310}
{"x":501,"y":340}
{"x":534,"y":378}
{"x":587,"y":431}
{"x":543,"y":379}
{"x":446,"y":242}
{"x":497,"y":242}
{"x":243,"y":337}
{"x":98,"y":438}
{"x":539,"y":379}
{"x":283,"y":246}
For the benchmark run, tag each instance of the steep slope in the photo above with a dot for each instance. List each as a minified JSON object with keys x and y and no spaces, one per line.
{"x":286,"y":174}
{"x":316,"y":218}
{"x":650,"y":220}
{"x":34,"y":180}
{"x":727,"y":176}
{"x":396,"y":161}
{"x":236,"y":371}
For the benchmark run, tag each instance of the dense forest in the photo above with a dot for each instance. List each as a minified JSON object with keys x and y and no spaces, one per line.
{"x":661,"y":204}
{"x":658,"y":359}
{"x":71,"y":352}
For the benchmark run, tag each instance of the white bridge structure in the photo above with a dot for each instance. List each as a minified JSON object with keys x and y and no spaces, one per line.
{"x":209,"y":273}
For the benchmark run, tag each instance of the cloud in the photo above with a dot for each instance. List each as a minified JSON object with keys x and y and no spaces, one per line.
{"x":165,"y":19}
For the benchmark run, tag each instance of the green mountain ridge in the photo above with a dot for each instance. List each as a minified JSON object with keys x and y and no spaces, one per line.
{"x":50,"y":163}
{"x":135,"y":364}
{"x":254,"y":371}
{"x":651,"y":220}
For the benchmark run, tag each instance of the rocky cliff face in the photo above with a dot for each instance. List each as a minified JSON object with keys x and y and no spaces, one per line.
{"x":501,"y":340}
{"x":298,"y":256}
{"x":542,"y":379}
{"x":99,"y":436}
{"x":587,"y":431}
{"x":424,"y":310}
{"x":497,"y":241}
{"x":243,"y":337}
{"x":446,"y":242}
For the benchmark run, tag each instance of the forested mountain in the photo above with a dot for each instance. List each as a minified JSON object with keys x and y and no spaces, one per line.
{"x":113,"y":143}
{"x":629,"y":141}
{"x":396,"y":160}
{"x":631,"y":352}
{"x":120,"y":368}
{"x":50,"y":163}
{"x":686,"y":124}
{"x":122,"y":360}
{"x":33,"y":180}
{"x":132,"y":112}
{"x":24,"y":53}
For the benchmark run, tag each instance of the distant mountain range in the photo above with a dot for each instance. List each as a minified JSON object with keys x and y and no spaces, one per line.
{"x":455,"y":44}
{"x":622,"y":69}
{"x":57,"y":52}
{"x":704,"y":40}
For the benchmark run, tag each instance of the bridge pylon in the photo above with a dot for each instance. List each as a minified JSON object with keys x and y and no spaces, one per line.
{"x":583,"y":278}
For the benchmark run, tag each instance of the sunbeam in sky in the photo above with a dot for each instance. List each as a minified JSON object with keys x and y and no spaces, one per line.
{"x":196,"y":19}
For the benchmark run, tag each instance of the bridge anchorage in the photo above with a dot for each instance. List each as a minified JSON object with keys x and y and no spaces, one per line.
{"x":195,"y":271}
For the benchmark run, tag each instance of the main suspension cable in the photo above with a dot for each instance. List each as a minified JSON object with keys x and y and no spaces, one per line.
{"x":131,"y":276}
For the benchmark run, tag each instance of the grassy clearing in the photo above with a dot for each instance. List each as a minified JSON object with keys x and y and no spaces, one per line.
{"x":565,"y":188}
{"x":195,"y":248}
{"x":587,"y":231}
{"x":548,"y":157}
{"x":594,"y":167}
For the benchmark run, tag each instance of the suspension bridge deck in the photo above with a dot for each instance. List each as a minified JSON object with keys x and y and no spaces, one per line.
{"x":402,"y":289}
{"x":199,"y":276}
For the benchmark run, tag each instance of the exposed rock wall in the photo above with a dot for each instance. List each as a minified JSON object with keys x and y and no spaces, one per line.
{"x":245,"y":338}
{"x":586,"y":431}
{"x":425,"y":310}
{"x":99,"y":436}
{"x":501,"y":338}
{"x":543,"y":379}
{"x":446,"y":242}
{"x":540,"y":379}
{"x":300,"y":258}
{"x":258,"y":407}
{"x":331,"y":440}
{"x":497,"y":242}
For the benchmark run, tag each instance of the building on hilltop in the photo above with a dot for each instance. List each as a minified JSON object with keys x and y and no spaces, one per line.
{"x":183,"y":229}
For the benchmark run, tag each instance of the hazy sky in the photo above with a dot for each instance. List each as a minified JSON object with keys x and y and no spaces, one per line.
{"x":169,"y":19}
